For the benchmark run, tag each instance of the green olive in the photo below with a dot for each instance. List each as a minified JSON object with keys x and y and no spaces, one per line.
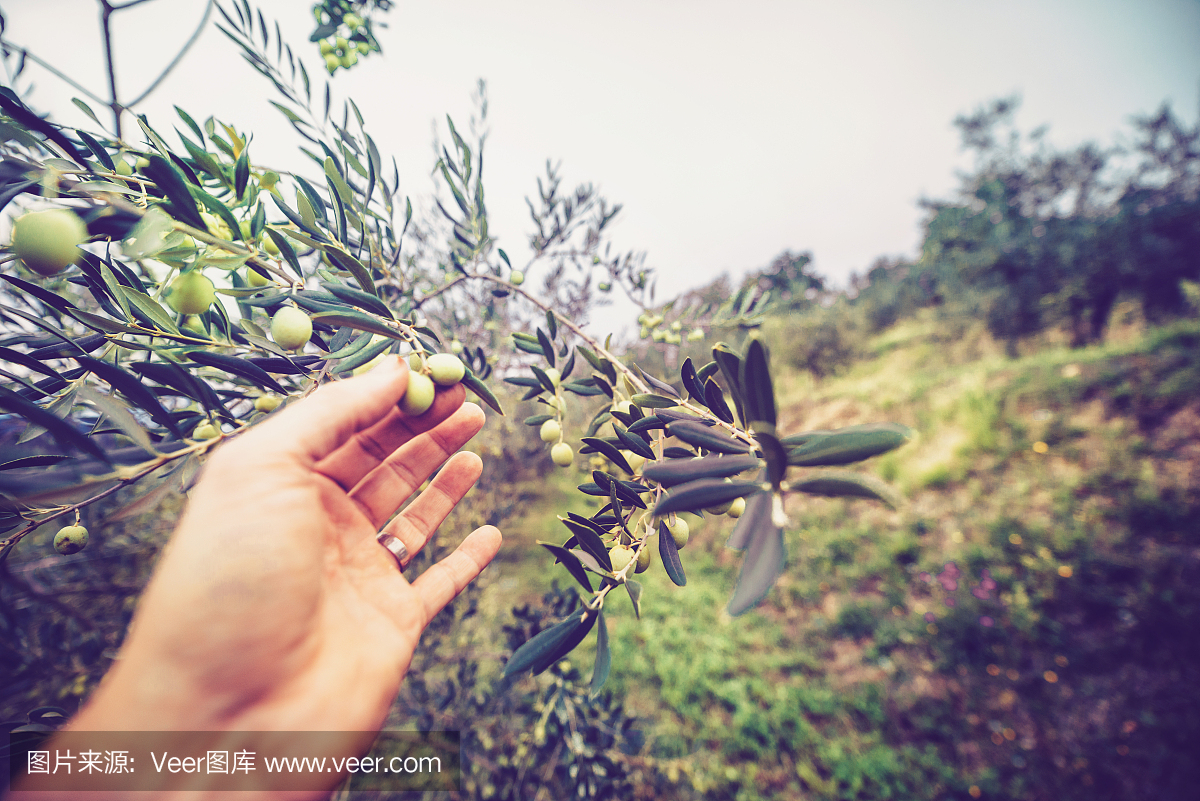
{"x":419,"y":395}
{"x":191,"y":293}
{"x":350,"y":59}
{"x":554,"y":376}
{"x":267,"y":403}
{"x":679,"y":531}
{"x":516,"y":278}
{"x":620,"y":557}
{"x":70,"y":539}
{"x":352,"y":21}
{"x":326,"y":47}
{"x":737,"y":507}
{"x":551,"y":431}
{"x":341,"y":44}
{"x":562,"y":454}
{"x":456,"y":347}
{"x":446,"y":369}
{"x":206,"y":431}
{"x":643,"y":560}
{"x":268,"y":244}
{"x":121,"y":167}
{"x":48,"y":241}
{"x":291,"y":328}
{"x":332,"y":62}
{"x":256,"y":279}
{"x":194,"y":324}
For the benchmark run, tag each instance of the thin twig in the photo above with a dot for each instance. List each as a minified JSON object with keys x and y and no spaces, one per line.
{"x":52,"y":70}
{"x":137,"y":474}
{"x":114,"y":105}
{"x":178,"y":56}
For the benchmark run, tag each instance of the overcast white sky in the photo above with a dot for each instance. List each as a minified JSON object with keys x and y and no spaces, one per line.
{"x":730,"y":131}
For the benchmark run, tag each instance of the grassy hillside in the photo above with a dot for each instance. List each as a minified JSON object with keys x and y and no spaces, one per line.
{"x":1026,"y":627}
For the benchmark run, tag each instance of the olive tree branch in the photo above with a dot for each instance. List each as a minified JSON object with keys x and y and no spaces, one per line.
{"x":178,"y":56}
{"x":29,"y":54}
{"x":131,"y":476}
{"x":106,"y":11}
{"x":634,"y":379}
{"x":129,"y":4}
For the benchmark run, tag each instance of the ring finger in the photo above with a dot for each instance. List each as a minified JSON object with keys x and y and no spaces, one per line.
{"x":416,"y":524}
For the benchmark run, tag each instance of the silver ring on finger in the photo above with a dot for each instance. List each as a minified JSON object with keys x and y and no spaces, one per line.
{"x":395,"y":547}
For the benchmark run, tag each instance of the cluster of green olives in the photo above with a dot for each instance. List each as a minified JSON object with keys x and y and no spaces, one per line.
{"x":427,"y":374}
{"x":340,"y":51}
{"x":621,"y":555}
{"x":652,"y":328}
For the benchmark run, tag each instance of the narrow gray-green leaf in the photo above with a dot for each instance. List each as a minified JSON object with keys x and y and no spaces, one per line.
{"x":571,"y":562}
{"x":764,"y":563}
{"x":634,"y":588}
{"x":703,"y":493}
{"x":670,"y":555}
{"x":647,"y":401}
{"x":845,"y":445}
{"x":843,"y":484}
{"x":603,"y":657}
{"x":671,"y":472}
{"x":357,"y":321}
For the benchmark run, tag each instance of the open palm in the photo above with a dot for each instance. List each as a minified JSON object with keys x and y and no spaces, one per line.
{"x":273,"y":607}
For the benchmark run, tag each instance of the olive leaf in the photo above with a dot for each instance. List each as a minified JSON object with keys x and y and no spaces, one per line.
{"x":758,"y":396}
{"x":549,"y":646}
{"x":702,"y":493}
{"x":647,"y":401}
{"x":570,"y":562}
{"x":633,"y":443}
{"x":603,"y":657}
{"x":842,"y":484}
{"x":701,"y":436}
{"x":844,"y":445}
{"x":614,"y":455}
{"x":472,"y":382}
{"x":670,"y":555}
{"x":679,"y":471}
{"x":33,"y":461}
{"x":356,"y":320}
{"x":765,"y":558}
{"x":63,"y":431}
{"x":589,"y":540}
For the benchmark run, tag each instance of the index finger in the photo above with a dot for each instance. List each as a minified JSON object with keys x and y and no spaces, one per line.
{"x":322,"y":422}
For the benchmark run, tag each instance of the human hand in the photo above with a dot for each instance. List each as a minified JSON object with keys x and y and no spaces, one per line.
{"x":273,"y":607}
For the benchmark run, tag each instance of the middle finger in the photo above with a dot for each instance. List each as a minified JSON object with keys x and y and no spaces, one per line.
{"x":382,"y":490}
{"x":371,"y":447}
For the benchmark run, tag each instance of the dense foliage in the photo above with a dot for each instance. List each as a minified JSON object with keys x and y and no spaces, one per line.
{"x":160,"y":300}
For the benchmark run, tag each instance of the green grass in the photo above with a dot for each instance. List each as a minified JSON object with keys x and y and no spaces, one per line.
{"x":856,"y":680}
